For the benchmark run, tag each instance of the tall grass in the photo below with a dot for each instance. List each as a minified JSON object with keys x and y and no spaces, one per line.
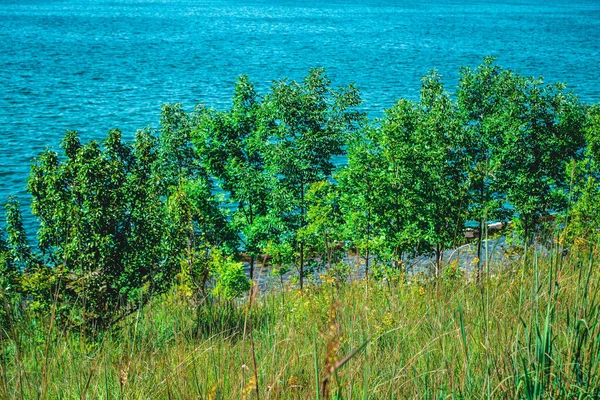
{"x":527,"y":331}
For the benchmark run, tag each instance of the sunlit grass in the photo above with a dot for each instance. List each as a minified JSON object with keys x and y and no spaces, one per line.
{"x":528,"y":331}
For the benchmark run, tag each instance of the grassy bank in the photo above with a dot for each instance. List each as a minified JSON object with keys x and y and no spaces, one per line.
{"x":529,"y":331}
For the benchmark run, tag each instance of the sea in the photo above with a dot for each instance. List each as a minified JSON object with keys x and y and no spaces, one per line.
{"x":94,"y":65}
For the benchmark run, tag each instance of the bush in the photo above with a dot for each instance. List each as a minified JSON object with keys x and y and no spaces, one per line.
{"x":102,"y":222}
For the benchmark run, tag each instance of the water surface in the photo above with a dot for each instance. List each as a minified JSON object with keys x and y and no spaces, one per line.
{"x":95,"y":65}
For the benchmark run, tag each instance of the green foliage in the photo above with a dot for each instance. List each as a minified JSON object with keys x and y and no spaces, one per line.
{"x":305,"y":125}
{"x":434,"y":160}
{"x":521,"y":136}
{"x":120,"y":222}
{"x":543,"y":131}
{"x":8,"y":282}
{"x":322,"y":230}
{"x":196,"y":224}
{"x":17,"y":252}
{"x":231,"y":280}
{"x":98,"y":206}
{"x":362,"y":190}
{"x":176,"y":154}
{"x":405,"y":180}
{"x":232,"y":147}
{"x":385,"y":272}
{"x":582,"y":220}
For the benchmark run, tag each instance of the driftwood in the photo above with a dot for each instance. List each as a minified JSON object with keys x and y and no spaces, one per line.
{"x":473,"y":233}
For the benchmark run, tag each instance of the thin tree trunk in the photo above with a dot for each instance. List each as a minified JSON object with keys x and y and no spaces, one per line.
{"x":252,"y":256}
{"x":302,"y":214}
{"x":438,"y":260}
{"x":368,"y":240}
{"x":480,"y":233}
{"x":301,"y":265}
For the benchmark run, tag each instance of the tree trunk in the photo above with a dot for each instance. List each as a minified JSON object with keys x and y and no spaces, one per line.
{"x":481,"y":220}
{"x":438,"y":260}
{"x":479,"y":249}
{"x":368,"y":240}
{"x":301,"y":265}
{"x":302,"y":224}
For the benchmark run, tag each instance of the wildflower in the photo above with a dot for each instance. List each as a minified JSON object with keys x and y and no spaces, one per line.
{"x":249,"y":387}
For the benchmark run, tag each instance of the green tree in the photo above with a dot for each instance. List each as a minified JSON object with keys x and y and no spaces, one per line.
{"x":437,"y":166}
{"x":176,"y":153}
{"x":16,"y":258}
{"x":305,"y":126}
{"x":197,"y":225}
{"x":232,"y":148}
{"x":101,"y":222}
{"x":543,"y":132}
{"x":397,"y":217}
{"x":422,"y":146}
{"x":20,"y":257}
{"x":582,"y":220}
{"x":482,"y":95}
{"x":324,"y":219}
{"x":363,"y":194}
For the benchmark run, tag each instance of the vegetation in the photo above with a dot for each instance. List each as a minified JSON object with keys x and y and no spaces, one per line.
{"x":135,"y":287}
{"x":529,"y":331}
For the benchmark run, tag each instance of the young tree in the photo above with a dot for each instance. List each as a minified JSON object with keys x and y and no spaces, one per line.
{"x":482,"y":95}
{"x":322,"y":231}
{"x":18,"y":253}
{"x":305,"y":125}
{"x":197,"y":226}
{"x":438,"y":168}
{"x":360,"y":190}
{"x":582,"y":219}
{"x":426,"y":185}
{"x":232,"y":147}
{"x":16,"y":258}
{"x":177,"y":159}
{"x":397,"y":214}
{"x":543,"y":133}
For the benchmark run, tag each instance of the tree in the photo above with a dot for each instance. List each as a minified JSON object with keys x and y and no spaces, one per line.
{"x":437,"y":167}
{"x":582,"y":219}
{"x":197,"y":226}
{"x":16,"y":258}
{"x":102,"y":223}
{"x":176,"y":153}
{"x":232,"y":147}
{"x":17,"y":251}
{"x":363,"y":193}
{"x":482,"y":95}
{"x":322,"y":231}
{"x":425,"y":185}
{"x":397,"y":217}
{"x":543,"y":132}
{"x":305,"y":125}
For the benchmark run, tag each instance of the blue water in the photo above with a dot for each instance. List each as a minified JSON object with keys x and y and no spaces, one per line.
{"x":95,"y":65}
